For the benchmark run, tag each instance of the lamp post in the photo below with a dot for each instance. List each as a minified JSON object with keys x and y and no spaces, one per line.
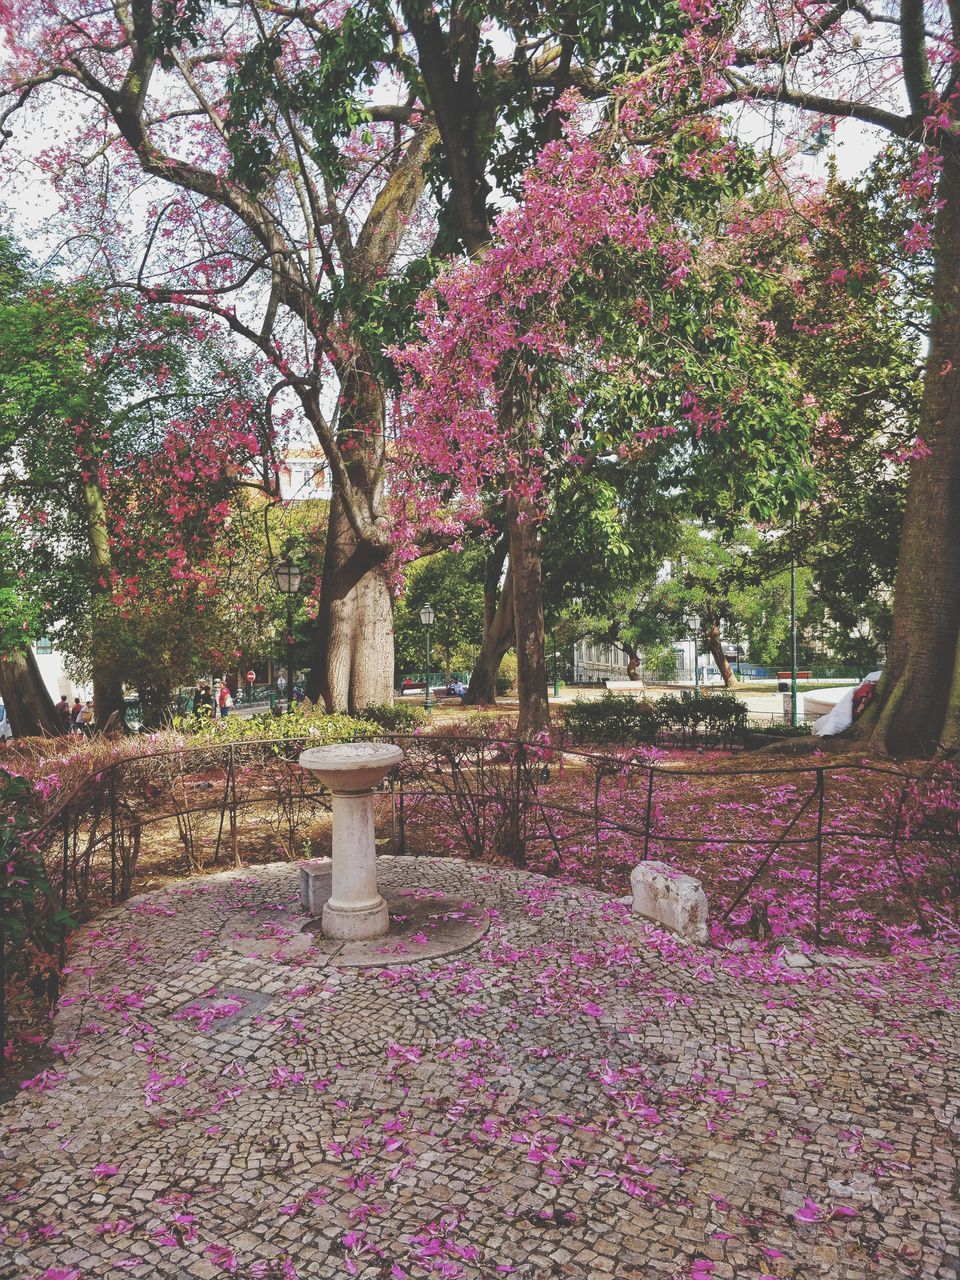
{"x":693,"y":623}
{"x":288,"y":580}
{"x":426,"y":617}
{"x":793,"y":621}
{"x":556,"y":669}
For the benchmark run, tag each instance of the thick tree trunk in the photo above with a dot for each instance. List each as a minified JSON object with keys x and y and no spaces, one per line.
{"x":715,"y":645}
{"x":353,"y":662}
{"x":528,"y":618}
{"x":25,"y":697}
{"x":353,"y":666}
{"x":918,"y":702}
{"x":498,"y":639}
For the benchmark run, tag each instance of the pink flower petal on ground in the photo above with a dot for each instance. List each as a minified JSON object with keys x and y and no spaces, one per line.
{"x":809,"y":1212}
{"x":221,"y":1256}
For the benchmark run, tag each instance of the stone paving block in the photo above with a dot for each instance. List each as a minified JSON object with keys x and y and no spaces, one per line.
{"x":572,"y":1096}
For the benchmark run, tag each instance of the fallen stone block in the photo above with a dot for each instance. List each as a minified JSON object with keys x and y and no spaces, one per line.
{"x":671,"y":899}
{"x":316,"y":880}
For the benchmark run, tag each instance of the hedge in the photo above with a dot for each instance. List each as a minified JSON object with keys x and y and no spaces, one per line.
{"x":715,"y":719}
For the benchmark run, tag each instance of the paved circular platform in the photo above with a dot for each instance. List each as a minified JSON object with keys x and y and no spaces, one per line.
{"x":424,"y":925}
{"x":574,"y":1095}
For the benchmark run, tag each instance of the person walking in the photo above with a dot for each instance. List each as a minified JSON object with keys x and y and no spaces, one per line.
{"x":224,"y":700}
{"x":87,"y":719}
{"x":75,"y":713}
{"x":62,"y":710}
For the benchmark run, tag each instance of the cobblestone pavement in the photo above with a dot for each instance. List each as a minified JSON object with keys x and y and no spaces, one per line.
{"x":577,"y":1095}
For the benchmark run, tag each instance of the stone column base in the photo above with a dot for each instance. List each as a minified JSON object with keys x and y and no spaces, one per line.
{"x":351,"y":923}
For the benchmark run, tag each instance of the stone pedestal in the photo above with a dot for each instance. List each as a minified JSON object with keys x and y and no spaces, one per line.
{"x":315,"y":878}
{"x":355,"y":908}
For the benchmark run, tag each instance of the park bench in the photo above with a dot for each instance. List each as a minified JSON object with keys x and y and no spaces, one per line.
{"x":625,"y":686}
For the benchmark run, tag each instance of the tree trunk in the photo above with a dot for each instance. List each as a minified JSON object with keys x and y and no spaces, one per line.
{"x":528,"y":618}
{"x":28,"y":705}
{"x":918,"y":699}
{"x":353,"y":655}
{"x":107,"y":683}
{"x":353,"y":663}
{"x":633,"y":662}
{"x":498,"y":639}
{"x":715,"y":645}
{"x":155,"y":702}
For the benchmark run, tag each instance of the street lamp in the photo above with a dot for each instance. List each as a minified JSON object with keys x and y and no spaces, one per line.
{"x":793,"y":621}
{"x":288,"y":576}
{"x":693,"y":625}
{"x":426,"y":617}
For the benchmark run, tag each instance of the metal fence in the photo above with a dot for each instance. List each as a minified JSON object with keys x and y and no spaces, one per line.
{"x":572,"y":812}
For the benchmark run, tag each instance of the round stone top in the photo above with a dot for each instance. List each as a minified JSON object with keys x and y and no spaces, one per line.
{"x":351,"y":766}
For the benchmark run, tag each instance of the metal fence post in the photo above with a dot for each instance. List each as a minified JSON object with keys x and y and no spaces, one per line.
{"x":3,"y":967}
{"x":649,"y":818}
{"x":113,"y":836}
{"x":598,"y":778}
{"x":401,"y":821}
{"x":820,"y":801}
{"x":232,"y":778}
{"x":64,"y":869}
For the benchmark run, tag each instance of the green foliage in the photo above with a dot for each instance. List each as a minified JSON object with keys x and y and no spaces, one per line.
{"x":326,"y":94}
{"x":91,"y":387}
{"x":452,"y":582}
{"x":314,"y":727}
{"x":176,"y":23}
{"x":624,"y":720}
{"x":396,"y":717}
{"x":19,"y":608}
{"x":775,"y":731}
{"x":855,"y":333}
{"x":23,"y":878}
{"x":661,"y":661}
{"x":711,"y":718}
{"x":614,"y":719}
{"x":507,"y":672}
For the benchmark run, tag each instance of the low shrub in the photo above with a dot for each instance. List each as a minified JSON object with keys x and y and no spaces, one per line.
{"x":396,"y":717}
{"x":614,"y":718}
{"x":316,"y":726}
{"x":711,"y":720}
{"x":781,"y":730}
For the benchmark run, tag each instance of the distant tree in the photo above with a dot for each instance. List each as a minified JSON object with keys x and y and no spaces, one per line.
{"x":452,"y":582}
{"x":123,"y":433}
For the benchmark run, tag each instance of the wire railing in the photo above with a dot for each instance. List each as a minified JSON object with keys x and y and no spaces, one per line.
{"x":804,"y":831}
